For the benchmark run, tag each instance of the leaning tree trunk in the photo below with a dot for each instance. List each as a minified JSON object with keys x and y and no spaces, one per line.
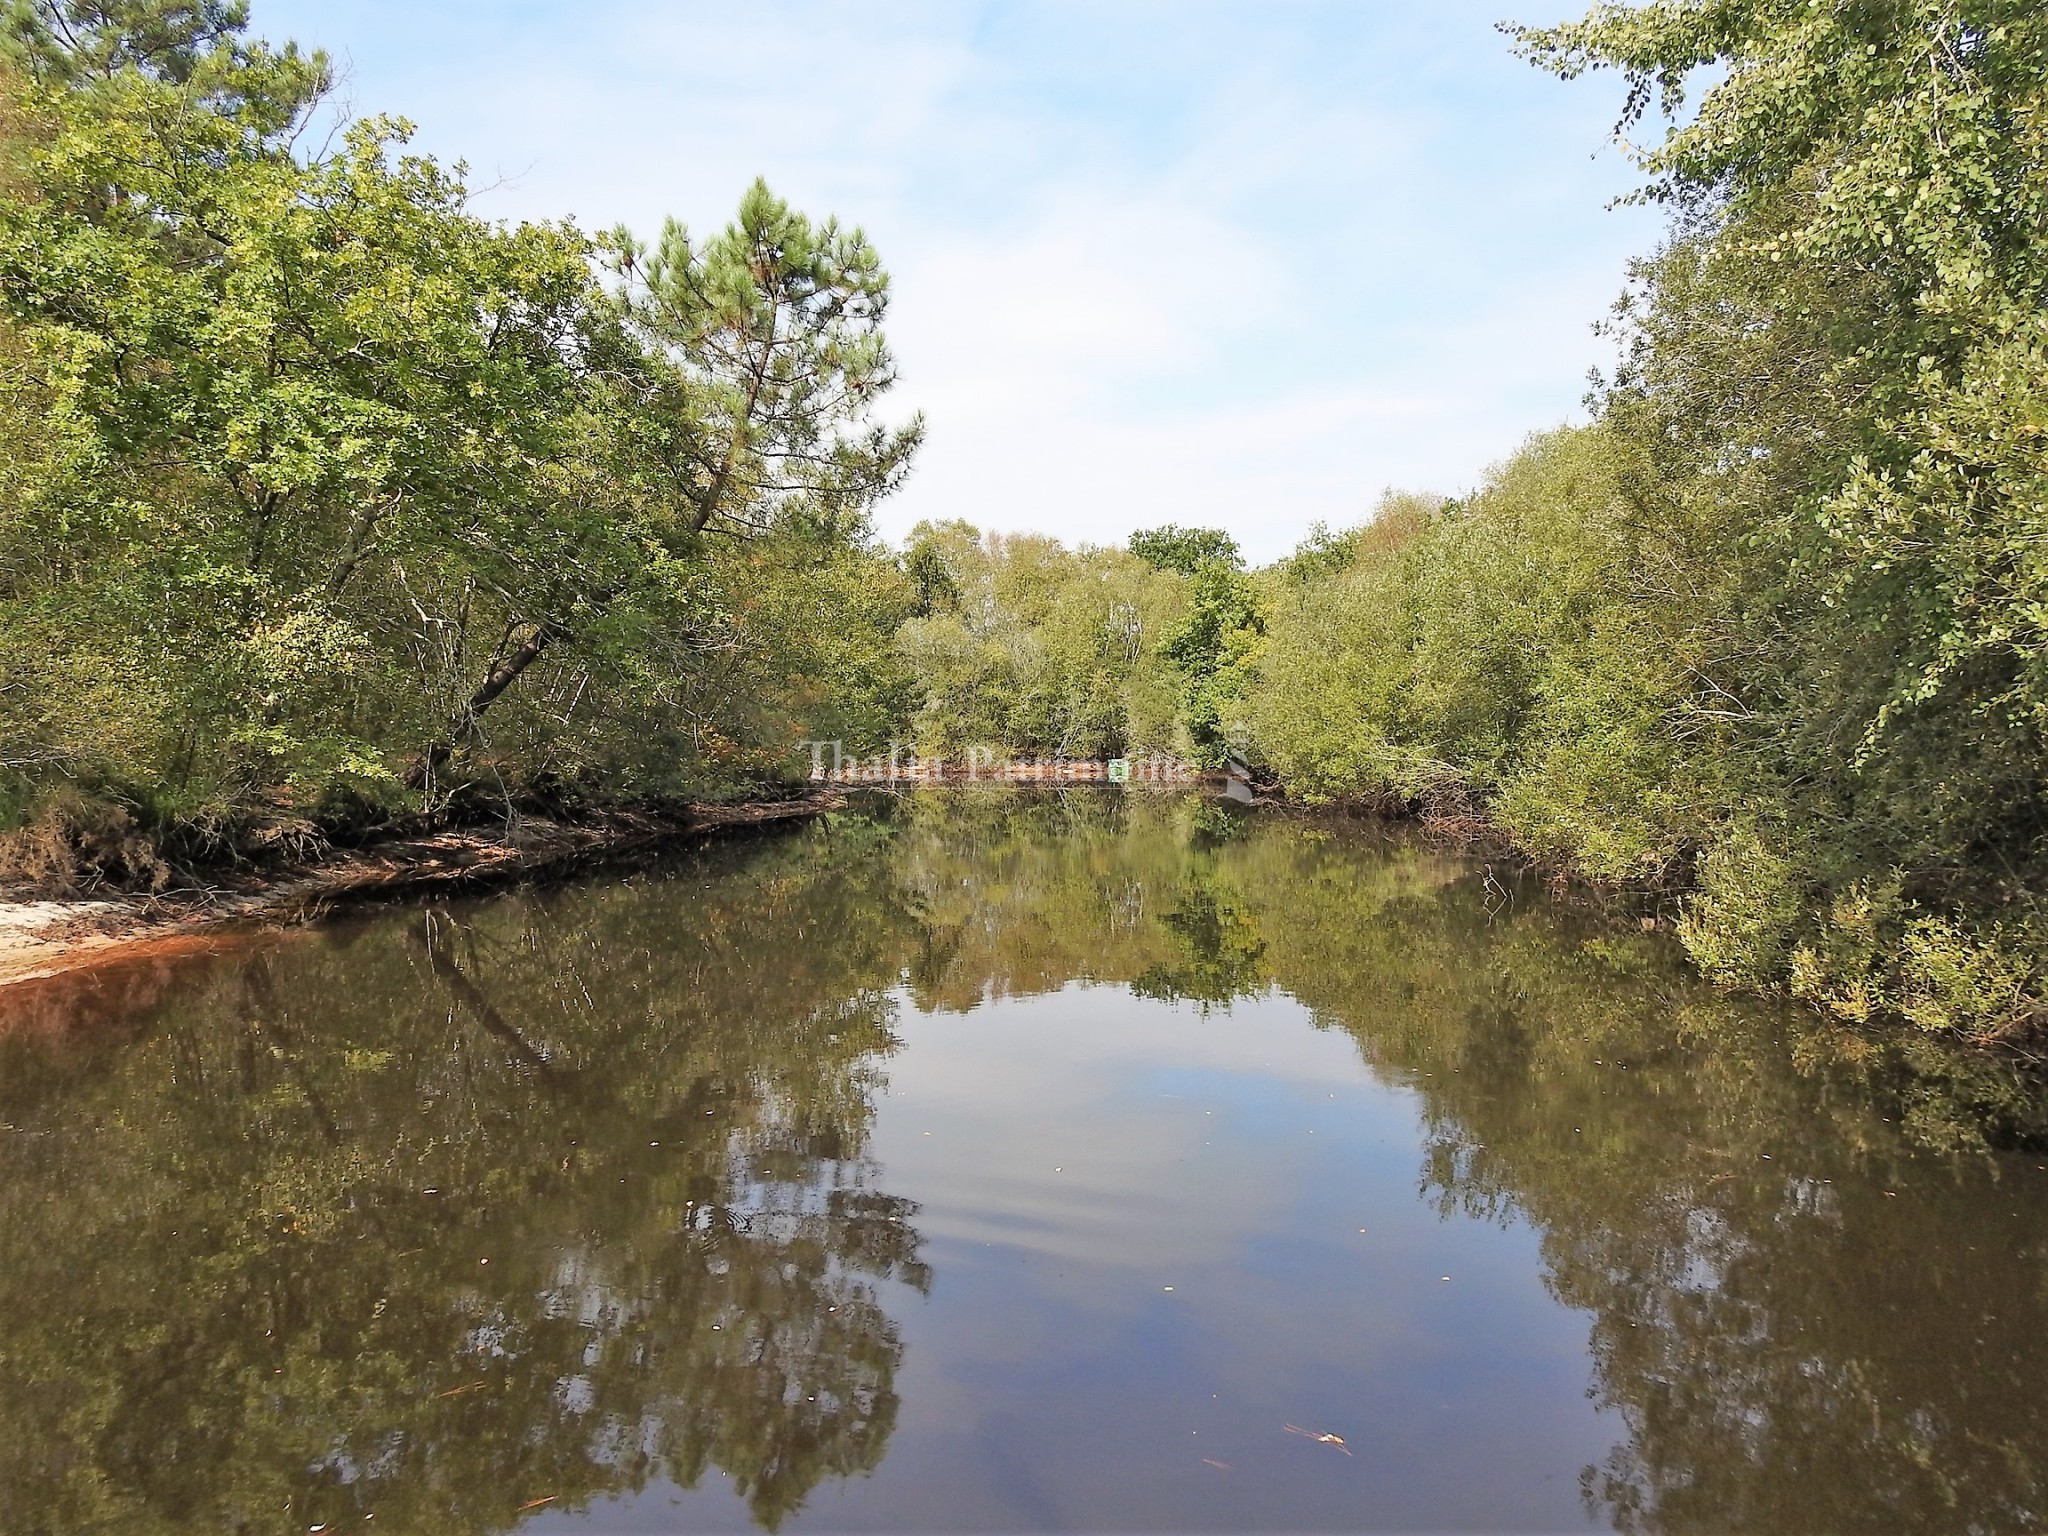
{"x":503,"y":674}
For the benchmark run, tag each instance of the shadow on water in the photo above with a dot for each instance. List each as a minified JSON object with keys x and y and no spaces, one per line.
{"x":449,"y":1214}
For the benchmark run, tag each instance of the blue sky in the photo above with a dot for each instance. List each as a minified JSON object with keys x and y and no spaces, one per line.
{"x":1242,"y":265}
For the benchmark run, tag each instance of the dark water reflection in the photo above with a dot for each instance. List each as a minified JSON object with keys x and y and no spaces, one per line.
{"x":997,"y":1162}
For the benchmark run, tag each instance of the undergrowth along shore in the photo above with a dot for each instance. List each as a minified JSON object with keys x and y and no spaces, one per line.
{"x":39,"y":937}
{"x":109,"y":902}
{"x":1874,"y":965}
{"x":81,"y":848}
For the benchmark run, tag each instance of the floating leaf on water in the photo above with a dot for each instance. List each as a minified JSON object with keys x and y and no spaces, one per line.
{"x":1335,"y":1442}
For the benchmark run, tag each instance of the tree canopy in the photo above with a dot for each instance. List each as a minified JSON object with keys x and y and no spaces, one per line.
{"x":1769,"y":630}
{"x":324,"y":492}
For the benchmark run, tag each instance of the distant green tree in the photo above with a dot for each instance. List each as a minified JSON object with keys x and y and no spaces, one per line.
{"x":742,"y":408}
{"x":774,"y":328}
{"x":1171,"y":547}
{"x":1024,"y":646}
{"x":937,"y":592}
{"x":1214,"y":649}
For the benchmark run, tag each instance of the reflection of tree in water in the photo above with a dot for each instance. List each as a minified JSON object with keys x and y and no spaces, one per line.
{"x":1221,"y":955}
{"x":1814,"y":1289}
{"x":551,"y":1198}
{"x":243,"y":1262}
{"x":1814,"y":1292}
{"x":1020,"y":893}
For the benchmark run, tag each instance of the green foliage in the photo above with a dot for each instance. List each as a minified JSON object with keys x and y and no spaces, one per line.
{"x":774,"y":329}
{"x":1214,"y":649}
{"x":309,"y":469}
{"x":1452,"y":651}
{"x":320,"y":491}
{"x":195,"y":45}
{"x":1024,"y":647}
{"x":1771,"y":630}
{"x":1027,"y":648}
{"x":1171,"y":547}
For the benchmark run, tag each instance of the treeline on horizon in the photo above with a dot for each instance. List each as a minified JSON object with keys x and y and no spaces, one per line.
{"x":324,"y":501}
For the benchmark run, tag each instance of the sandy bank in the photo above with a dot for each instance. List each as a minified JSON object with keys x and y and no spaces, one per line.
{"x":44,"y":938}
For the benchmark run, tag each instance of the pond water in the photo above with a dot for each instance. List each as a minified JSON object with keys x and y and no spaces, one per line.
{"x":1005,"y":1161}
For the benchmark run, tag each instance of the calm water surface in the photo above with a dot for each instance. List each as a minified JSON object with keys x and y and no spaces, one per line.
{"x":1011,"y":1163}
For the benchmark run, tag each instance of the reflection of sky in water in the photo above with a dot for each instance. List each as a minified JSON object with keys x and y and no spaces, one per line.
{"x":1077,"y":1154}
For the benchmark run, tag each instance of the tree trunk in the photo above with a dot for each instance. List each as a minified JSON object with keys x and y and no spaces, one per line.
{"x":503,"y":674}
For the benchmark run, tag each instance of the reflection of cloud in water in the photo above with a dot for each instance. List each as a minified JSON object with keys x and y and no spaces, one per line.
{"x":1230,"y":1157}
{"x":1071,"y":1081}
